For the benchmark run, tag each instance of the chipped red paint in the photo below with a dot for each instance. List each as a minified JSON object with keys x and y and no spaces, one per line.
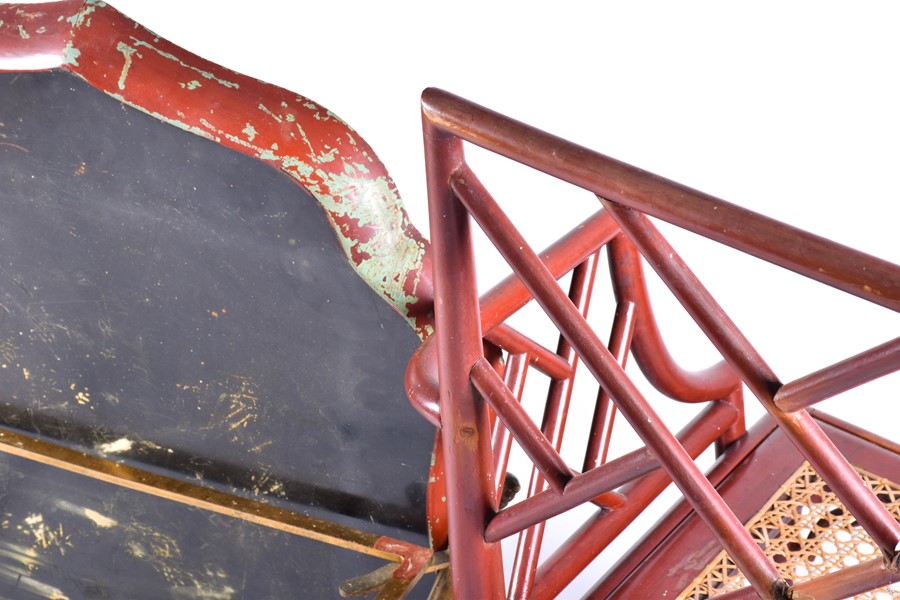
{"x":415,"y":558}
{"x":437,"y":499}
{"x":32,"y":37}
{"x":289,"y":131}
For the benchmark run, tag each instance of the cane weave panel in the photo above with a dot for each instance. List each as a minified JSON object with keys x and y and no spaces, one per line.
{"x":807,"y":532}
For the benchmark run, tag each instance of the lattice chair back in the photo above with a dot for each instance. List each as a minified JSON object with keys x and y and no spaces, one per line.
{"x":468,"y":376}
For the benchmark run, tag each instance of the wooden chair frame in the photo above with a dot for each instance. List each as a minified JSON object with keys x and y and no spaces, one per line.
{"x":467,"y":377}
{"x":470,"y":390}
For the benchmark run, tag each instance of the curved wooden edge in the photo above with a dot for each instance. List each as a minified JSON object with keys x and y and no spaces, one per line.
{"x":286,"y":130}
{"x":35,"y":37}
{"x":713,"y":383}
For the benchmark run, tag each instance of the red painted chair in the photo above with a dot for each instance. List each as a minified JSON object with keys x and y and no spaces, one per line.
{"x":779,"y":499}
{"x":210,"y":292}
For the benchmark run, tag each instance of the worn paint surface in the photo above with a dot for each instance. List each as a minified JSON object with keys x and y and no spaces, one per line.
{"x":114,"y":539}
{"x":290,"y":132}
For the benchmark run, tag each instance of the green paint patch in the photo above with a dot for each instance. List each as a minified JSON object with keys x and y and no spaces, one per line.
{"x":71,"y":54}
{"x":180,"y":125}
{"x":174,"y":122}
{"x":392,"y":251}
{"x":127,"y":51}
{"x":295,"y":166}
{"x":312,"y":153}
{"x":325,"y":157}
{"x":193,"y":85}
{"x":249,"y":131}
{"x":330,"y":116}
{"x":77,"y":20}
{"x":23,"y":34}
{"x":172,"y":57}
{"x":270,"y":113}
{"x":203,"y":133}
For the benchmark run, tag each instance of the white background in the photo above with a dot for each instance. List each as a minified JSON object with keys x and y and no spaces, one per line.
{"x":789,"y":109}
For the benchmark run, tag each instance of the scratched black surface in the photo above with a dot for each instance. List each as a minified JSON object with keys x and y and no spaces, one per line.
{"x":177,"y":305}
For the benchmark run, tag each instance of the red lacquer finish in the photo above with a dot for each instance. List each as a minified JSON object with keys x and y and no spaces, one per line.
{"x":838,"y":378}
{"x":605,"y":411}
{"x":553,"y":425}
{"x":516,"y":420}
{"x":627,"y":193}
{"x":560,"y":568}
{"x":290,"y":132}
{"x":850,"y":270}
{"x":515,"y":375}
{"x":471,"y":490}
{"x":33,"y":37}
{"x":502,"y":301}
{"x":649,"y":350}
{"x":585,"y":487}
{"x":450,"y":381}
{"x":762,"y":381}
{"x":598,"y":360}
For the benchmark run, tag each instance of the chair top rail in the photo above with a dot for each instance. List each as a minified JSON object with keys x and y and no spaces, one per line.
{"x":813,"y":256}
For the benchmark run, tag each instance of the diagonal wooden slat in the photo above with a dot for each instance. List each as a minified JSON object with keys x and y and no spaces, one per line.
{"x":839,"y":377}
{"x":600,"y":362}
{"x":533,"y":441}
{"x":737,"y":350}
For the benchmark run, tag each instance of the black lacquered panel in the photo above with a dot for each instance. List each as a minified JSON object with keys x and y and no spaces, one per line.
{"x":177,"y":304}
{"x":65,"y":536}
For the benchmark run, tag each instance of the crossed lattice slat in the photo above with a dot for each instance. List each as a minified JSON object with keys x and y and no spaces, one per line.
{"x":455,"y":194}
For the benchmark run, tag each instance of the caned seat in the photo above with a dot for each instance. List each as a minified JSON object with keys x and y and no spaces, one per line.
{"x":787,"y":507}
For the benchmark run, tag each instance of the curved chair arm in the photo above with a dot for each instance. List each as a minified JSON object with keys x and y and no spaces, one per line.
{"x":714,"y":383}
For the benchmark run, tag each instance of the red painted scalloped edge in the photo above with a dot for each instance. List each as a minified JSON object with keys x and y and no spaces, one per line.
{"x":286,"y":130}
